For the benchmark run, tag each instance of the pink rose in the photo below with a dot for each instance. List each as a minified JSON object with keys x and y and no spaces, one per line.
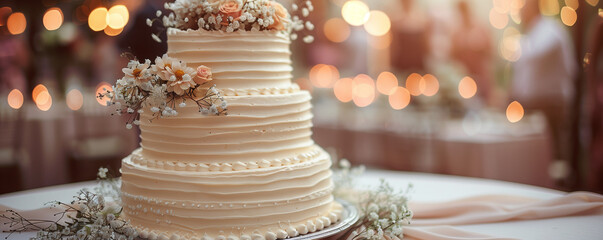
{"x":230,"y":8}
{"x":203,"y":75}
{"x":280,"y":16}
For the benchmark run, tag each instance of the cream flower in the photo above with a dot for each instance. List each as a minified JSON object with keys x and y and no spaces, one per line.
{"x":203,"y":75}
{"x":180,"y":78}
{"x":161,"y":66}
{"x":138,"y":72}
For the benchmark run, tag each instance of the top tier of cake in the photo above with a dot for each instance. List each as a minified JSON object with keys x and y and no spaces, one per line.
{"x":239,"y":60}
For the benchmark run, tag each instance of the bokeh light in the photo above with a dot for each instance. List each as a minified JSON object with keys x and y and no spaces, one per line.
{"x":16,"y":23}
{"x":112,"y":32}
{"x":467,"y":87}
{"x":101,"y":89}
{"x":15,"y":99}
{"x":549,"y":7}
{"x":387,"y":83}
{"x":363,"y":90}
{"x":568,"y":16}
{"x":74,"y":99}
{"x":429,"y":85}
{"x":323,"y":76}
{"x":37,"y":90}
{"x":510,"y":48}
{"x":336,"y":30}
{"x":117,"y":17}
{"x":53,"y":19}
{"x":97,"y":20}
{"x":498,"y":20}
{"x":413,"y":84}
{"x":399,"y":99}
{"x":343,"y":89}
{"x":44,"y":101}
{"x":514,"y":112}
{"x":355,"y":12}
{"x":377,"y":23}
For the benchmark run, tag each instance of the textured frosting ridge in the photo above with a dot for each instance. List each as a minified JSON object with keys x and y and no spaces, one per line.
{"x":239,"y":60}
{"x":253,"y":174}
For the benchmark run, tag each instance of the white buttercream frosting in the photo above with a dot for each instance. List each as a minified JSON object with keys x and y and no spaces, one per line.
{"x":253,"y":174}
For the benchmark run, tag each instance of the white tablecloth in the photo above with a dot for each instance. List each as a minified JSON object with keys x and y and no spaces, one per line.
{"x":427,"y":188}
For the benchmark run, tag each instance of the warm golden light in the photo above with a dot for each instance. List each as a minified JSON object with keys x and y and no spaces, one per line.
{"x":112,"y":32}
{"x":568,"y":16}
{"x":37,"y":90}
{"x":549,"y":7}
{"x":517,"y":4}
{"x":44,"y":101}
{"x":103,"y":87}
{"x":117,"y":16}
{"x":74,"y":99}
{"x":343,"y":89}
{"x":380,"y":42}
{"x":413,"y":84}
{"x":467,"y":87}
{"x":498,"y":20}
{"x":429,"y":85}
{"x":363,"y":90}
{"x":336,"y":30}
{"x":514,"y":112}
{"x":97,"y":20}
{"x":377,"y":24}
{"x":53,"y":19}
{"x":510,"y":48}
{"x":399,"y":99}
{"x":15,"y":99}
{"x":387,"y":83}
{"x":572,"y":3}
{"x":355,"y":12}
{"x":593,"y":2}
{"x":16,"y":23}
{"x":323,"y":76}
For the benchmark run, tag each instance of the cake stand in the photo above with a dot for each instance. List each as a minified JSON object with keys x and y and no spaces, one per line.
{"x":349,"y":217}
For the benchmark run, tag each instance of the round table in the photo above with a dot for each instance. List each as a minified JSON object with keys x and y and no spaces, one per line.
{"x":426,"y":188}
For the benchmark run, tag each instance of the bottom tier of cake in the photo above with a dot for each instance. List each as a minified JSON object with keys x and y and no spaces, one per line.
{"x":169,"y":200}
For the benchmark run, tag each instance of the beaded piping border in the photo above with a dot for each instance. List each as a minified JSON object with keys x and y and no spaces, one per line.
{"x":137,"y":158}
{"x":259,"y":91}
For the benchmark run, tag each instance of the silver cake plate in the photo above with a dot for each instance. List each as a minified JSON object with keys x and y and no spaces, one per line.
{"x":348,"y":218}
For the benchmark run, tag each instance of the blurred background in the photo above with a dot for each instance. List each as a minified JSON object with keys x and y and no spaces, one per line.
{"x":499,"y":89}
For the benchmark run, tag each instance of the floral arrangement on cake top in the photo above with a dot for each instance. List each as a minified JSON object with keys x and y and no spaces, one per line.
{"x":161,"y":87}
{"x":236,"y":15}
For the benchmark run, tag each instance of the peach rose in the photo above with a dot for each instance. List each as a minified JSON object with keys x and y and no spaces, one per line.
{"x":280,"y":16}
{"x":230,"y":8}
{"x":203,"y":75}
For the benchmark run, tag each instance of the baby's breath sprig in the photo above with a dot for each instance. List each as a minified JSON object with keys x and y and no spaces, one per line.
{"x":300,"y":10}
{"x":86,"y":217}
{"x":384,"y":210}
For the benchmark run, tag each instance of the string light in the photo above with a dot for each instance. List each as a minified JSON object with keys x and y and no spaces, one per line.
{"x":16,"y":23}
{"x":15,"y":99}
{"x":53,"y":19}
{"x":355,"y":12}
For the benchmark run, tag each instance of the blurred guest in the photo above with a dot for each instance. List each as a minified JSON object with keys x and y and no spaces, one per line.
{"x":543,"y":75}
{"x":138,"y":40}
{"x":472,"y":47}
{"x":410,"y":38}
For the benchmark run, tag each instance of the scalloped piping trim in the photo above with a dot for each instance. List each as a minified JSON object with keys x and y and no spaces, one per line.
{"x":310,"y":226}
{"x":138,"y":159}
{"x":135,"y":209}
{"x":259,"y":91}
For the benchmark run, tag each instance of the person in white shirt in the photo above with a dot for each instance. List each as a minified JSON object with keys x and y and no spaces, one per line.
{"x":543,"y":77}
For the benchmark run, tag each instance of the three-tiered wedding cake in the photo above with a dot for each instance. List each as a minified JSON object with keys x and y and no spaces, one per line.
{"x":254,"y":173}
